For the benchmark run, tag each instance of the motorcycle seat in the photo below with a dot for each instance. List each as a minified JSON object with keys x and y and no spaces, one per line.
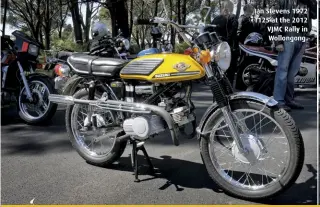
{"x":63,"y":55}
{"x":95,"y":65}
{"x":260,"y":49}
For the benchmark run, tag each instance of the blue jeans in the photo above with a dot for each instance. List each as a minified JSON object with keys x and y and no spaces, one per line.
{"x":289,"y":62}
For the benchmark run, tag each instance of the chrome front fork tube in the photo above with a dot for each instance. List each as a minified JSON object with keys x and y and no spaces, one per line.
{"x":25,"y":82}
{"x":229,"y":119}
{"x":225,"y":108}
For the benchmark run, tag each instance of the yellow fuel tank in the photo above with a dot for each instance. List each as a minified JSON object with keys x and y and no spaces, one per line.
{"x":165,"y":67}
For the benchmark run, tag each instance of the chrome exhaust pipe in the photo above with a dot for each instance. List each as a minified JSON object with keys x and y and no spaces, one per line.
{"x":122,"y":106}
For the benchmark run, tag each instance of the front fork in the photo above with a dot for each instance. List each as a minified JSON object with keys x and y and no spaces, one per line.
{"x":25,"y":82}
{"x":220,"y":96}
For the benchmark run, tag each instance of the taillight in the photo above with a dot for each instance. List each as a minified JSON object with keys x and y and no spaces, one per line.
{"x":61,"y":70}
{"x":25,"y":47}
{"x":39,"y":66}
{"x":57,"y":70}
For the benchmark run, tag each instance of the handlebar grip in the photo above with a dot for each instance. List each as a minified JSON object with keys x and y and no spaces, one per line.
{"x":143,"y":21}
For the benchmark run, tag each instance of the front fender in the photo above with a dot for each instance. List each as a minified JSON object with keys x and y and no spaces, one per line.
{"x":245,"y":95}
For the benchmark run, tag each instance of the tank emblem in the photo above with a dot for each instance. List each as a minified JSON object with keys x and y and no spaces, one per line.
{"x":181,"y":66}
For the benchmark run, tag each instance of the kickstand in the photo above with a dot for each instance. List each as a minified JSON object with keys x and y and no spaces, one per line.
{"x":134,"y":158}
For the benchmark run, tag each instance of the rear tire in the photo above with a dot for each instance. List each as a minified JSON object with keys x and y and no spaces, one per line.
{"x":116,"y":150}
{"x":296,"y":154}
{"x":240,"y":84}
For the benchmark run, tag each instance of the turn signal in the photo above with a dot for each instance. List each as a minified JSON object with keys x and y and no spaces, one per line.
{"x":205,"y":56}
{"x":188,"y":51}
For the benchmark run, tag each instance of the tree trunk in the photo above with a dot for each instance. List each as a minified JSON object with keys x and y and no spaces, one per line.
{"x":131,"y":19}
{"x":246,"y":2}
{"x":88,"y":21}
{"x":119,"y":17}
{"x":264,"y":4}
{"x":75,"y":13}
{"x":156,"y":8}
{"x":184,"y":12}
{"x":238,"y":9}
{"x":41,"y":36}
{"x":172,"y":34}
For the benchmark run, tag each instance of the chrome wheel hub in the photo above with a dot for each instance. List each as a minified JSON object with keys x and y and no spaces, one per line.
{"x":253,"y":151}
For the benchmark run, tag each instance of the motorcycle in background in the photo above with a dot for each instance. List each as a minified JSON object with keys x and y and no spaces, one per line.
{"x":20,"y":83}
{"x":258,"y":64}
{"x":104,"y":46}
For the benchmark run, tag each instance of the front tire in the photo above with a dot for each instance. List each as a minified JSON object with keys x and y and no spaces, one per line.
{"x":41,"y":110}
{"x":222,"y":176}
{"x":111,"y":156}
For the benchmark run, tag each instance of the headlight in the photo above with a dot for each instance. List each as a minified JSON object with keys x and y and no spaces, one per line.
{"x":221,"y":54}
{"x":33,"y":50}
{"x":126,"y":44}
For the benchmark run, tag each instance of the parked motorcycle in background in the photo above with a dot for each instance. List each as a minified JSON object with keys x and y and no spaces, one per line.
{"x":20,"y":83}
{"x":258,"y":64}
{"x":102,"y":45}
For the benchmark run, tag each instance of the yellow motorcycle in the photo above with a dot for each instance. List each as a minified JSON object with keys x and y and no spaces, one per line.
{"x":250,"y":147}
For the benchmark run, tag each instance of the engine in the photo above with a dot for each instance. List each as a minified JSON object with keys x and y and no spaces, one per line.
{"x":162,"y":95}
{"x":143,"y":127}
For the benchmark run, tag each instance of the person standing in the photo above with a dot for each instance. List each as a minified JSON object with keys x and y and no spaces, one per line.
{"x":245,"y":26}
{"x":290,"y":52}
{"x":226,"y":28}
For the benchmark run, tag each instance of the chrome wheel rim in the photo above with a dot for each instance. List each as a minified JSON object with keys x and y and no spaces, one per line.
{"x":89,"y":139}
{"x":267,"y":169}
{"x":40,"y":106}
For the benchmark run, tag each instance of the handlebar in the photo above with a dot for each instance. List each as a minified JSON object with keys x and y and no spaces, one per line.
{"x":177,"y":27}
{"x":143,"y":22}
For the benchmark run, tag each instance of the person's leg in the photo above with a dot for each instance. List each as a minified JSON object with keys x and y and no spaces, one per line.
{"x":280,"y":82}
{"x":230,"y":73}
{"x":292,"y":72}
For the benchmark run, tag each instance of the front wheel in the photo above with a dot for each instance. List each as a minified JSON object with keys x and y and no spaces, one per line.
{"x":40,"y":109}
{"x":275,"y":151}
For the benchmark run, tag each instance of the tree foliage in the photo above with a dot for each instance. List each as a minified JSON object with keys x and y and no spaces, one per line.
{"x":46,"y":20}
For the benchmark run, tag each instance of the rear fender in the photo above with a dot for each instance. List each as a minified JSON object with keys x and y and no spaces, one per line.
{"x":72,"y":85}
{"x":251,"y":96}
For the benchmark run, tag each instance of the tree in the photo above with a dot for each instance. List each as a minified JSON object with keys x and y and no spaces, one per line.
{"x":238,"y":9}
{"x":76,"y":19}
{"x":27,"y":14}
{"x":63,"y":14}
{"x":92,"y":10}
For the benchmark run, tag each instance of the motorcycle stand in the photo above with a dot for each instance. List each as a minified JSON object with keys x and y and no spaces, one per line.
{"x":136,"y":146}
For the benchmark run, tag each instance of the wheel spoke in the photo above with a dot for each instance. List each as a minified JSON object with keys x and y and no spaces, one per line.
{"x":255,"y":126}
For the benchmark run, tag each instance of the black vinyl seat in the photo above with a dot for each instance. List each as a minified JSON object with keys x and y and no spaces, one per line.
{"x":95,"y":65}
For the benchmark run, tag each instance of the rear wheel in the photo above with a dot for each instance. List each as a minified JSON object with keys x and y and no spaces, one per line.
{"x":275,"y":145}
{"x":97,"y":146}
{"x":247,"y":75}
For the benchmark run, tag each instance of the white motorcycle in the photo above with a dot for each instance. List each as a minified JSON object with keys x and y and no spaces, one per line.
{"x":260,"y":62}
